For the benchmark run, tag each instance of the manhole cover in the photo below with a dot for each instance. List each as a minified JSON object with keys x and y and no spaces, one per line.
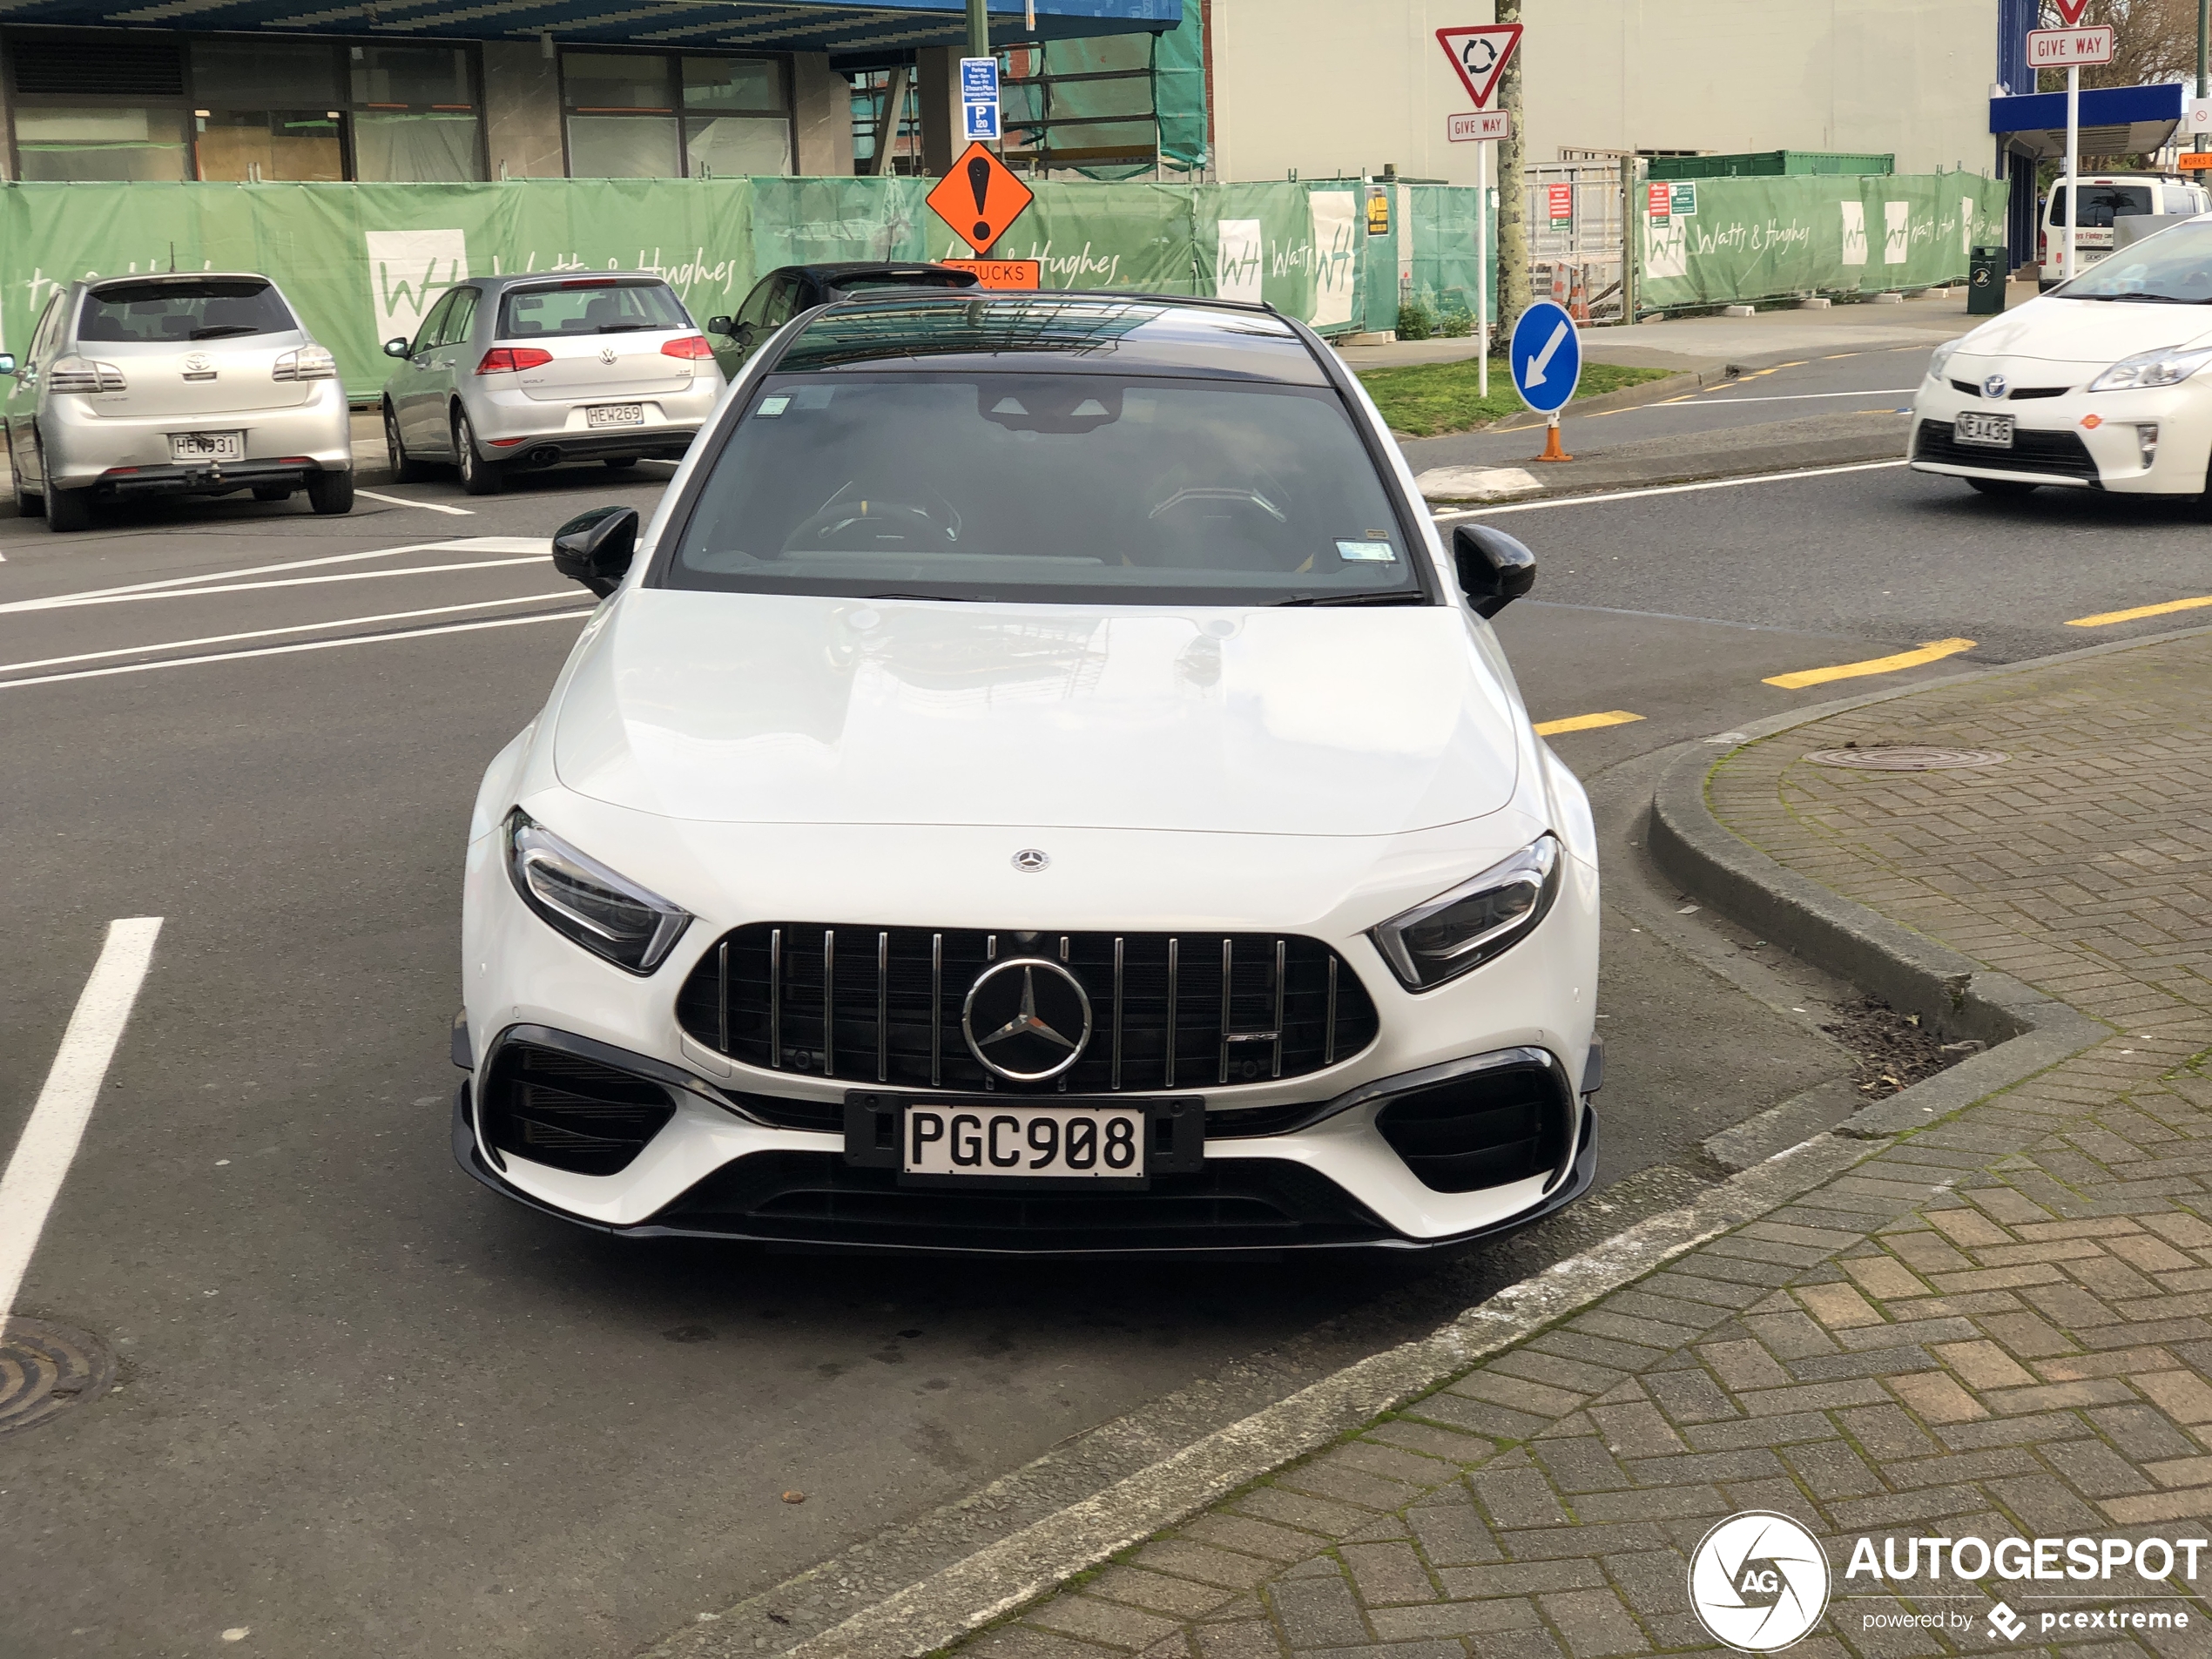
{"x":45,"y":1369}
{"x":1905,"y":756}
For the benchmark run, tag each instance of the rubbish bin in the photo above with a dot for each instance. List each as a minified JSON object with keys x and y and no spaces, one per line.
{"x":1985,"y":282}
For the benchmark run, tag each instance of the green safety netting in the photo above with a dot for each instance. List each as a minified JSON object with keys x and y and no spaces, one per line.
{"x":1161,"y":76}
{"x":1770,"y":237}
{"x":363,"y":262}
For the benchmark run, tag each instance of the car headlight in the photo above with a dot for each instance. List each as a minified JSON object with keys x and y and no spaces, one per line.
{"x":1462,"y":929}
{"x":2168,"y":365}
{"x":1941,"y":355}
{"x":576,"y":895}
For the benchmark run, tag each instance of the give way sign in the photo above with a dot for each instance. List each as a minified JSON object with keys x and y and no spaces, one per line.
{"x":2070,"y":11}
{"x":1481,"y":53}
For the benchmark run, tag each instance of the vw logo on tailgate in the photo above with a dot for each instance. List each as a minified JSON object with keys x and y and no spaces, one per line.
{"x":607,"y":355}
{"x":1026,"y":1019}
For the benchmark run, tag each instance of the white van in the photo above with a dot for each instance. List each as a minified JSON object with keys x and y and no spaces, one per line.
{"x":2106,"y":197}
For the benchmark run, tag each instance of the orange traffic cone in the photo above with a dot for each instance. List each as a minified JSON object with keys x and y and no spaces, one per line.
{"x":1552,"y":451}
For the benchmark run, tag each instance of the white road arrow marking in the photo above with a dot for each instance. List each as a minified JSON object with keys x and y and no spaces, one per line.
{"x":1541,"y":360}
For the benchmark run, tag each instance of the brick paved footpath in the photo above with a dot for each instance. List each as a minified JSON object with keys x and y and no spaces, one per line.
{"x":1999,"y":1326}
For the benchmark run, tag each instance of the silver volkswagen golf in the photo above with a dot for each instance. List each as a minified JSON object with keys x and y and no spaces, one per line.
{"x":545,"y":371}
{"x":197,"y":384}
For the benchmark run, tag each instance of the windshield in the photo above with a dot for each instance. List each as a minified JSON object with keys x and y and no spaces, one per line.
{"x":218,"y":309}
{"x":2174,"y":267}
{"x":2102,"y":204}
{"x":588,"y":305}
{"x":1094,"y":489}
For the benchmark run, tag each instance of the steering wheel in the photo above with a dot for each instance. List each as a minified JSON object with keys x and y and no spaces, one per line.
{"x":866,"y":525}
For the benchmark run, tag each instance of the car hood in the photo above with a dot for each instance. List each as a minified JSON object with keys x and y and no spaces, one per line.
{"x":2085,"y":331}
{"x":745,"y":708}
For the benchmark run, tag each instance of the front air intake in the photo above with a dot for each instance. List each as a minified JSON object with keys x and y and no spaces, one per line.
{"x":1486,"y":1128}
{"x":571,"y":1113}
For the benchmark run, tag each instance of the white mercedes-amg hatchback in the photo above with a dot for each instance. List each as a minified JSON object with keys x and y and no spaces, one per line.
{"x":1039,"y":784}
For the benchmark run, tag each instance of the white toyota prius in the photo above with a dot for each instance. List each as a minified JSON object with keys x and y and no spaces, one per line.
{"x":2092,"y":386}
{"x":1039,"y":784}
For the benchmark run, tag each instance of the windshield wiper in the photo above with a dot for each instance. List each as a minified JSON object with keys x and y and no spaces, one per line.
{"x":221,"y":329}
{"x":934,"y":598}
{"x":626,"y":327}
{"x":1386,"y":597}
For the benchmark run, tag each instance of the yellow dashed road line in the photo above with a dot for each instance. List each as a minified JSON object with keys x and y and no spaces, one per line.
{"x":1586,"y":723}
{"x":1934,"y":650}
{"x":2106,"y":618}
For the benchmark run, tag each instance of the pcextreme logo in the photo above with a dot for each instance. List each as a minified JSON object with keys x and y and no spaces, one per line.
{"x":1759,"y":1582}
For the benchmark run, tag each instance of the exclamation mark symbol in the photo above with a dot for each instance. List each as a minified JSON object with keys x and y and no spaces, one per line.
{"x":979,"y":180}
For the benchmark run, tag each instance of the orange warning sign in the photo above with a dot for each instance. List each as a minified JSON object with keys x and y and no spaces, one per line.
{"x":1001,"y":275}
{"x":978,"y":198}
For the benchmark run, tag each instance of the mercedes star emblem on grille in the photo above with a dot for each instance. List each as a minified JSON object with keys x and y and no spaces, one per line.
{"x":1026,"y":1019}
{"x":1993,"y":386}
{"x":1030,"y":859}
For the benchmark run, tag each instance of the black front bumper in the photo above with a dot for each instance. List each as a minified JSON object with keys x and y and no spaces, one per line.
{"x":622,"y":443}
{"x":204,"y":478}
{"x":1248,"y":1209}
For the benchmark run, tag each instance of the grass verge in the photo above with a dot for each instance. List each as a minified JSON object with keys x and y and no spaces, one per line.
{"x":1430,"y":398}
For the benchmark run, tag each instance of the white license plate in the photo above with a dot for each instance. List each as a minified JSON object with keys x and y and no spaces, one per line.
{"x":208,"y":446}
{"x":1993,"y":431}
{"x":616,"y":414}
{"x":1025,"y":1142}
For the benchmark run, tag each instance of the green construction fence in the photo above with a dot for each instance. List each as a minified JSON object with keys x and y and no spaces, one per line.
{"x":363,"y":262}
{"x":1747,"y":239}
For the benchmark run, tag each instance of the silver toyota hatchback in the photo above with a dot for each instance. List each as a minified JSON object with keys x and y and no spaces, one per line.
{"x":544,"y":371}
{"x":195,"y":384}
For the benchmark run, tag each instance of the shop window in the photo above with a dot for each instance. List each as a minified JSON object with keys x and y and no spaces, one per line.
{"x":266,"y":110}
{"x":116,"y":113}
{"x":642,"y":115}
{"x":415,"y":118}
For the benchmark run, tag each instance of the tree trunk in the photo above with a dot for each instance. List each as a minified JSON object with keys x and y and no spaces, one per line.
{"x":1512,"y":225}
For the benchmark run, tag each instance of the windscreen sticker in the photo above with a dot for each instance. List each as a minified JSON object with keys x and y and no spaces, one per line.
{"x":1367,"y":552}
{"x":772,"y":407}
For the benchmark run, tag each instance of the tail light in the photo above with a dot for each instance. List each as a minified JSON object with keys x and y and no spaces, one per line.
{"x":691,"y":346}
{"x":505,"y":359}
{"x":309,"y":363}
{"x":81,"y":374}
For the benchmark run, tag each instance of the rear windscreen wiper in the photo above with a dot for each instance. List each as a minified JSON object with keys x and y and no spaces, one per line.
{"x":625,"y":327}
{"x":221,"y":329}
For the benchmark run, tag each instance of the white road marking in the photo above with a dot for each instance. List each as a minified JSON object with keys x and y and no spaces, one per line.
{"x":1709,"y":401}
{"x":433,"y":506}
{"x":1669,"y":489}
{"x":49,"y":1142}
{"x":458,"y":545}
{"x":285,"y":651}
{"x":293,"y":582}
{"x":271,"y":633}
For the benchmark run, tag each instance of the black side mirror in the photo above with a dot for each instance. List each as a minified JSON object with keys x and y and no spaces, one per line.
{"x":720,"y":326}
{"x":1495,"y":570}
{"x":395,"y":348}
{"x":595,"y":547}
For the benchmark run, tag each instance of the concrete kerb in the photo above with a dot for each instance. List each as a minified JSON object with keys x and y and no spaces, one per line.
{"x":1629,"y":397}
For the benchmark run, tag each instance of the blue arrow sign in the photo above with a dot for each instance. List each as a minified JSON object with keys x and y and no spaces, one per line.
{"x":1547,"y":357}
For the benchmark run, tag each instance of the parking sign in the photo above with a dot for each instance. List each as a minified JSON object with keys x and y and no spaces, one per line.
{"x":979,"y":97}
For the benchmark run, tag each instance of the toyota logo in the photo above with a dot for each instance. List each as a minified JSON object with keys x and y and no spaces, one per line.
{"x":198,"y":362}
{"x":1026,"y":1019}
{"x":1993,"y":386}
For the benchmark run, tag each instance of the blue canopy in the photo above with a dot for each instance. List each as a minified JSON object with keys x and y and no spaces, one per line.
{"x":2115,"y":120}
{"x":856,"y":35}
